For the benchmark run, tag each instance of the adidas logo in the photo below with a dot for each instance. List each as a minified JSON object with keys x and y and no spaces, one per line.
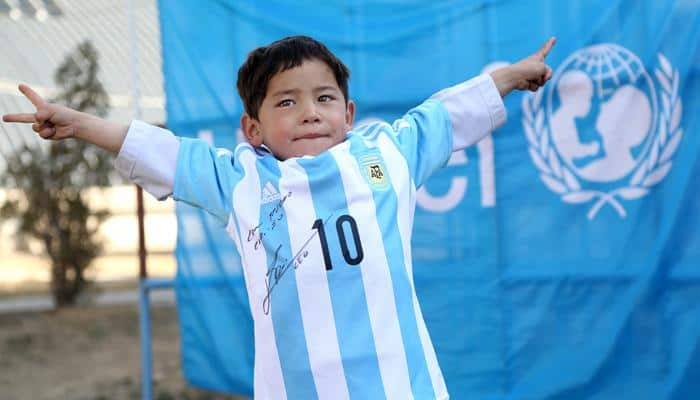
{"x":269,"y":194}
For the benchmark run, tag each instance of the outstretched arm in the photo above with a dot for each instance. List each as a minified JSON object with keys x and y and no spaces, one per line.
{"x":56,"y":122}
{"x":530,"y":73}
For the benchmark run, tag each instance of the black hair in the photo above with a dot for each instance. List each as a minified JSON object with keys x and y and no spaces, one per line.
{"x":265,"y":62}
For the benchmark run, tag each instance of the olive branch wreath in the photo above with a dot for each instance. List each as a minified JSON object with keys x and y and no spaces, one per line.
{"x":559,"y":178}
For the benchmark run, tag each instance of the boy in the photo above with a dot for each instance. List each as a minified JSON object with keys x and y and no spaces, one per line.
{"x":320,"y":213}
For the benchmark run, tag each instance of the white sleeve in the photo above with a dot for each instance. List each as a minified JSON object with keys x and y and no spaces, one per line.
{"x":475,"y":108}
{"x":148,"y":158}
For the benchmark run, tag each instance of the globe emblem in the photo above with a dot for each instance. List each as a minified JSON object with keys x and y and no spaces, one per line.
{"x":597,"y":134}
{"x":601,"y":111}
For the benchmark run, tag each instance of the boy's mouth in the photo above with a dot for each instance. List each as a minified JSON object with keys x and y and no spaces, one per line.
{"x":311,"y":135}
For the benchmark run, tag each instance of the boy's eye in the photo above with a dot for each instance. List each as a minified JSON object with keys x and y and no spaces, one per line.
{"x":325,"y":97}
{"x":285,"y":103}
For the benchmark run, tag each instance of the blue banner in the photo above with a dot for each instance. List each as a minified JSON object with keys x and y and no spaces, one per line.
{"x":558,"y":258}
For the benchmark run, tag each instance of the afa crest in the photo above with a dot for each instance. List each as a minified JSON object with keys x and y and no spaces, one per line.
{"x":375,"y":171}
{"x":604,"y":130}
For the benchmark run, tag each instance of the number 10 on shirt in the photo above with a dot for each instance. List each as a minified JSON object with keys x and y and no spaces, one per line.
{"x":340,"y":223}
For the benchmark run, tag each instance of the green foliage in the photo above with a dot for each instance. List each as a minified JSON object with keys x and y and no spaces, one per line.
{"x":51,"y":178}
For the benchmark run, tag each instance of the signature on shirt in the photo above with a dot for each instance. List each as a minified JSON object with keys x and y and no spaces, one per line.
{"x":281,"y":264}
{"x":273,"y":217}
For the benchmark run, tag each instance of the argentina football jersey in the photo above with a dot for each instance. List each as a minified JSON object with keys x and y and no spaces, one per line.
{"x":325,"y":243}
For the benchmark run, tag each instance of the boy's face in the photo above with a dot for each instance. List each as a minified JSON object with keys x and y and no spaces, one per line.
{"x":303,"y":113}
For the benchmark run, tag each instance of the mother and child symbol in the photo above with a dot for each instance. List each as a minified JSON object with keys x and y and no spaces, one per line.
{"x":600,"y":140}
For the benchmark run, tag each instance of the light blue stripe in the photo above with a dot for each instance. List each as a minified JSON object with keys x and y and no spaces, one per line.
{"x":354,"y":332}
{"x":386,"y":207}
{"x":285,"y":309}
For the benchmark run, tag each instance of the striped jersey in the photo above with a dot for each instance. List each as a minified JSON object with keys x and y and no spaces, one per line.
{"x":325,"y":243}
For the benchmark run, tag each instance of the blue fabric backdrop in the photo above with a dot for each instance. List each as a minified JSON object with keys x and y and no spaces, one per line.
{"x":559,"y":259}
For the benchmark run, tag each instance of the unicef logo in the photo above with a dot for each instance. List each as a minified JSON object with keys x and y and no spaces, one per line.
{"x":598,"y":132}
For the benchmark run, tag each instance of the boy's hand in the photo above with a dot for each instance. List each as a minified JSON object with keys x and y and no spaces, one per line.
{"x":530,"y":73}
{"x":56,"y":122}
{"x":50,"y":121}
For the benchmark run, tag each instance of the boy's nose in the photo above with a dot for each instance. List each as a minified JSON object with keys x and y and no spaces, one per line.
{"x":311,"y":113}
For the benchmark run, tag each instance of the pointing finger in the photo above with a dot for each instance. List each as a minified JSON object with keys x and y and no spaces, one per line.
{"x":28,"y":118}
{"x":33,"y":96}
{"x":544,"y":51}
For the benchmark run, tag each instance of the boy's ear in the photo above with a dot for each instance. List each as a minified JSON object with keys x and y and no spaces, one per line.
{"x":349,"y":115}
{"x":251,"y":129}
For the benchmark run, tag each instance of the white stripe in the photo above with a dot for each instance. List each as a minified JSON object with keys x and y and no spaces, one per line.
{"x":231,"y":229}
{"x":405,"y":197}
{"x":376,"y":279}
{"x":246,"y":205}
{"x":312,"y":284}
{"x":233,"y":233}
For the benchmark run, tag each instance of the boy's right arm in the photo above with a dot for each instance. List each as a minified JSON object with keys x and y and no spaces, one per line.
{"x":147,"y":156}
{"x":56,"y":122}
{"x":153,"y":158}
{"x":190,"y":170}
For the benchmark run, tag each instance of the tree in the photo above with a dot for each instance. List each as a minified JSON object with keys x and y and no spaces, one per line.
{"x":50,"y":178}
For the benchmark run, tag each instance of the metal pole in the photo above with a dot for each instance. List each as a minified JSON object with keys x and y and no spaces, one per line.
{"x":144,"y":303}
{"x":145,"y":325}
{"x":143,"y":273}
{"x":135,"y":100}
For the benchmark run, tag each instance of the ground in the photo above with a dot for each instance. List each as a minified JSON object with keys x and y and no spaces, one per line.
{"x":90,"y":353}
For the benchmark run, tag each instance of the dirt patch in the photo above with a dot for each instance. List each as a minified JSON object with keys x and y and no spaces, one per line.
{"x":90,"y":353}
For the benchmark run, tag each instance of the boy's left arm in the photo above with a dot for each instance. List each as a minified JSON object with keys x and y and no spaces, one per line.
{"x":530,"y":73}
{"x":465,"y":113}
{"x":476,"y":108}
